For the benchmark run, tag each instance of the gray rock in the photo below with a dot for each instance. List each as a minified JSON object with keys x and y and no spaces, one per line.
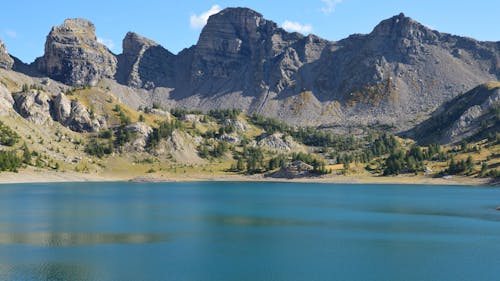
{"x":61,"y":108}
{"x":230,"y":138}
{"x":6,"y":61}
{"x":73,"y":55}
{"x":279,"y":142}
{"x":74,"y":115}
{"x":6,"y":101}
{"x":141,"y":132}
{"x":80,"y":119}
{"x":34,"y":106}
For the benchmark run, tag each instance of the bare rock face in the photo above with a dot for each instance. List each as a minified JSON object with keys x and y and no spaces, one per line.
{"x":73,"y":55}
{"x":6,"y":61}
{"x":6,"y":101}
{"x":61,"y":108}
{"x":144,"y":63}
{"x":471,"y":115}
{"x":141,"y":132}
{"x":34,"y":106}
{"x":81,"y":120}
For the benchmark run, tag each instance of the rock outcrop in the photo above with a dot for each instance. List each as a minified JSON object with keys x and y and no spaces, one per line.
{"x":471,"y":115}
{"x":74,"y":115}
{"x":34,"y":106}
{"x":74,"y":56}
{"x":141,"y":131}
{"x":6,"y":61}
{"x":279,"y":142}
{"x":6,"y":101}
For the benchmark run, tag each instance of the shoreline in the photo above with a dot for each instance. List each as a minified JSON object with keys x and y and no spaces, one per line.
{"x":47,"y":176}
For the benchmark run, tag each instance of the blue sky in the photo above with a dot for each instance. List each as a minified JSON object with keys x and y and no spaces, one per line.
{"x":177,"y":24}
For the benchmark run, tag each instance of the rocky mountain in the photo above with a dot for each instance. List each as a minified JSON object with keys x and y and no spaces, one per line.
{"x":73,"y":55}
{"x":144,"y":63}
{"x":395,"y":76}
{"x":472,"y":115}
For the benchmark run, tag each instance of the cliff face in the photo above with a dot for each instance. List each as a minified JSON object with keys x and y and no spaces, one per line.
{"x":73,"y":55}
{"x":144,"y":63}
{"x":396,"y":75}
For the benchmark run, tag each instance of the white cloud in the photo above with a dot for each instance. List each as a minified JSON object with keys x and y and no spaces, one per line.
{"x":199,"y":21}
{"x":297,"y":27}
{"x":329,"y":6}
{"x":106,"y":42}
{"x":11,"y":33}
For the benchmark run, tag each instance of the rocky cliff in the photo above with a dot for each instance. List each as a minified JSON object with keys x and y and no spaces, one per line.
{"x":73,"y":55}
{"x":144,"y":63}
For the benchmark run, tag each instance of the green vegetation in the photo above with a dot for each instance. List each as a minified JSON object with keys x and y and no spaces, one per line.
{"x":7,"y":136}
{"x":10,"y":161}
{"x":163,"y":131}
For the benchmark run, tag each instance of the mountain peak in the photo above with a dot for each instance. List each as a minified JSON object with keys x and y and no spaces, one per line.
{"x":82,"y":27}
{"x":133,"y":43}
{"x":74,"y":56}
{"x":401,"y":25}
{"x":5,"y":60}
{"x":241,"y":20}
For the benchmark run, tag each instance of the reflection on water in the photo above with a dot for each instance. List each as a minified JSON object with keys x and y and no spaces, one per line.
{"x":47,"y":271}
{"x":256,"y":221}
{"x":62,"y":239}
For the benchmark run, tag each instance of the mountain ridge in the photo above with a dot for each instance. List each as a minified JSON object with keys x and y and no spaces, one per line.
{"x":396,"y":75}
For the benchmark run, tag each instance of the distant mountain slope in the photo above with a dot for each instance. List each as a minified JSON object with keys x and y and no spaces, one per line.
{"x":396,"y":75}
{"x":474,"y":114}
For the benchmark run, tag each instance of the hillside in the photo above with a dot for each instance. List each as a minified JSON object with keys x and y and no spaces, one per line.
{"x":47,"y":127}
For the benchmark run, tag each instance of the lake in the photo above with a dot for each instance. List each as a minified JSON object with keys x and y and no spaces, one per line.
{"x":248,"y":231}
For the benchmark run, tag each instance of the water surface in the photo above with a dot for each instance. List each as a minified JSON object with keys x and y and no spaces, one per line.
{"x":248,"y":231}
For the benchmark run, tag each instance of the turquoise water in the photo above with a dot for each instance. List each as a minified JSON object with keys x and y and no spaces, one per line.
{"x":248,"y":231}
